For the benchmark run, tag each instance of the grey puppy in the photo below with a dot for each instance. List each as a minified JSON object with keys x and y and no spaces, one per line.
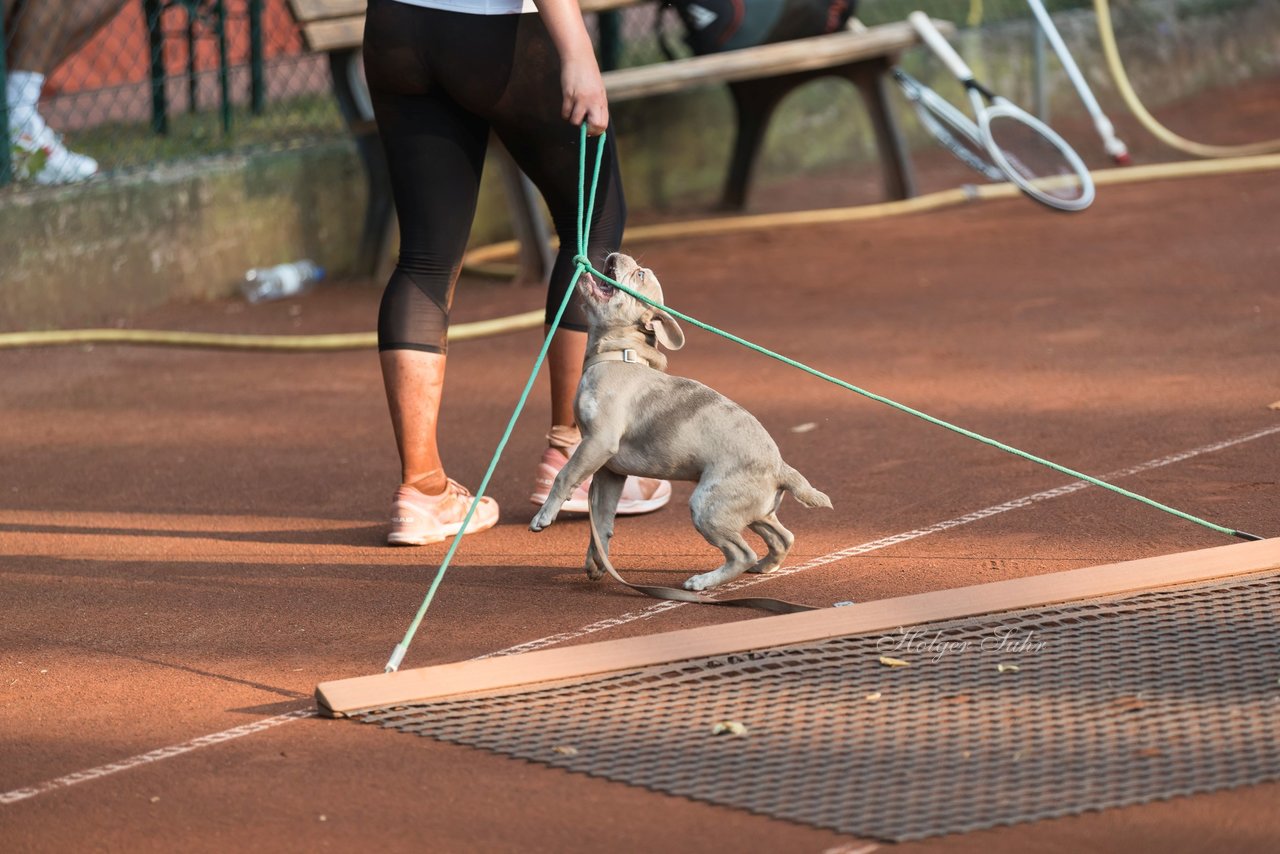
{"x":638,"y":420}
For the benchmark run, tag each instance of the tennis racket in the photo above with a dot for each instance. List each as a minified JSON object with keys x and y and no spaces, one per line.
{"x":956,"y":132}
{"x":1113,"y":145}
{"x":1026,"y":150}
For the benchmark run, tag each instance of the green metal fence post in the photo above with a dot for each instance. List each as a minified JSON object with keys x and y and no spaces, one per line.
{"x":610,"y":24}
{"x":257,"y":80}
{"x":193,"y":79}
{"x":224,"y":73}
{"x":151,"y":10}
{"x":6,"y":152}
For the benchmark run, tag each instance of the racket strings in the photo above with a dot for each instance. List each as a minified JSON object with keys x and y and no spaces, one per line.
{"x":1037,"y":159}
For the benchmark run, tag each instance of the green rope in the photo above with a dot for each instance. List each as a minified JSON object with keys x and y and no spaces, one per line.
{"x":925,"y":416}
{"x":397,"y":655}
{"x":583,"y":265}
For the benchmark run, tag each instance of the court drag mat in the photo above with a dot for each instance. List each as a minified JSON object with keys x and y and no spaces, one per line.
{"x":933,"y":729}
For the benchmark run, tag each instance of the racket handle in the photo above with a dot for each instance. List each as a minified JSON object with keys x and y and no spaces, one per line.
{"x":938,"y":43}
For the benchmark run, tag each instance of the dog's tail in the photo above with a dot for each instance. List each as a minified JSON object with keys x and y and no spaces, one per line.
{"x":795,"y":483}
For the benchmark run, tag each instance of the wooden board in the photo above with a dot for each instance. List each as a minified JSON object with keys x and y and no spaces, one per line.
{"x":770,"y":60}
{"x":329,"y":25}
{"x":551,"y":665}
{"x":306,"y":11}
{"x":336,"y":34}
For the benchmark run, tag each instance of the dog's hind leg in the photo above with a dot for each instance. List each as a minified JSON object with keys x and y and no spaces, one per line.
{"x":738,"y":558}
{"x":606,"y":489}
{"x":722,"y":527}
{"x":777,"y":538}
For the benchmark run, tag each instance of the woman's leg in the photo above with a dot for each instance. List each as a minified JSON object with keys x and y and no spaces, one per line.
{"x":435,"y":153}
{"x":414,"y":381}
{"x":549,"y":152}
{"x":549,"y":155}
{"x":550,"y":158}
{"x":564,"y":363}
{"x":44,"y":33}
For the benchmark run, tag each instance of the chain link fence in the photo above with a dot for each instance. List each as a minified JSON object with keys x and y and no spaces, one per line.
{"x":143,"y":82}
{"x":163,"y":80}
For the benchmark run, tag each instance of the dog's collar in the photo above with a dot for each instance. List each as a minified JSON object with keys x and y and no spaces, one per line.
{"x":628,"y":355}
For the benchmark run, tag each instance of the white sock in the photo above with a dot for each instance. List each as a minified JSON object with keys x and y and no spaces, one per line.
{"x":22,"y":91}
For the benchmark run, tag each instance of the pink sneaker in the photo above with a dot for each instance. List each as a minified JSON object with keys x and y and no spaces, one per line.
{"x":418,"y":520}
{"x":639,"y":494}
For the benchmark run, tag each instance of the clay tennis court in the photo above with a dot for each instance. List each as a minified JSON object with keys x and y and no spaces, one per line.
{"x":192,"y":540}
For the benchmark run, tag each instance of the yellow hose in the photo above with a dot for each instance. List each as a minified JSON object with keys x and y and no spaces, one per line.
{"x":974,"y":18}
{"x":1106,"y":32}
{"x":486,"y":255}
{"x":214,"y":340}
{"x":662,"y":231}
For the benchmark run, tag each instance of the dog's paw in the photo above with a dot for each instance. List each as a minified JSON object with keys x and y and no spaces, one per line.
{"x":542,"y":519}
{"x":699,"y":582}
{"x":595,"y":569}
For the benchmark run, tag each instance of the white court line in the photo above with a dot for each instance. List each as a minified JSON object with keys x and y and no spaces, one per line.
{"x":153,"y":756}
{"x":612,"y":622}
{"x":884,"y":542}
{"x":850,"y":849}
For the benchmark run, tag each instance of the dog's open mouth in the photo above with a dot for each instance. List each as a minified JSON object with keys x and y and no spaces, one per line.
{"x":602,"y":289}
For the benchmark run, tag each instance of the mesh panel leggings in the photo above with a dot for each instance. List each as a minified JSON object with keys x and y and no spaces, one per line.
{"x":440,"y":83}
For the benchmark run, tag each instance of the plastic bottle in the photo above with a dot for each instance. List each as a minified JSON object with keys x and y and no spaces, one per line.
{"x":283,"y":280}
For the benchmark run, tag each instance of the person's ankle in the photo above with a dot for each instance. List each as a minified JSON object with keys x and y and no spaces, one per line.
{"x":22,"y":95}
{"x":431,"y":484}
{"x":563,"y":436}
{"x":23,"y":88}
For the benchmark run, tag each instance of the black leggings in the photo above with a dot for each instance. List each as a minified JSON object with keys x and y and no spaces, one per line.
{"x":440,"y":82}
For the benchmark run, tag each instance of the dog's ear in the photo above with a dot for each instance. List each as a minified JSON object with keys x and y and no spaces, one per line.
{"x":665,"y":329}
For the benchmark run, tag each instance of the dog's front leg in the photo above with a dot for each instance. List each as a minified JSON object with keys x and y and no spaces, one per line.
{"x":589,"y":458}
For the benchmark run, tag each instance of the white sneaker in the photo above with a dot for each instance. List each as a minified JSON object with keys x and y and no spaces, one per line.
{"x":38,"y":152}
{"x":419,"y":520}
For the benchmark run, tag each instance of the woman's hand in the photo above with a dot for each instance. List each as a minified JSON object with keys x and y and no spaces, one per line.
{"x":584,"y":96}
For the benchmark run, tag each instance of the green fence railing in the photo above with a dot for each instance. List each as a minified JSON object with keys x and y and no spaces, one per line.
{"x":6,"y":149}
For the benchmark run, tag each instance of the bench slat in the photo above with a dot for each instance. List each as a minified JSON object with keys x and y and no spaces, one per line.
{"x":336,"y":34}
{"x":763,"y":61}
{"x":322,"y":31}
{"x":308,"y":11}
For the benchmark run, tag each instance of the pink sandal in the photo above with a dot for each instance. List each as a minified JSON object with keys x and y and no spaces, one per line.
{"x":639,"y":494}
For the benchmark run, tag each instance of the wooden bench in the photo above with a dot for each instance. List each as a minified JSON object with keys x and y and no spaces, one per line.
{"x":758,"y":79}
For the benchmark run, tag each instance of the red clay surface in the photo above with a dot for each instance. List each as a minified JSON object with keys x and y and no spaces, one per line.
{"x":191,"y":540}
